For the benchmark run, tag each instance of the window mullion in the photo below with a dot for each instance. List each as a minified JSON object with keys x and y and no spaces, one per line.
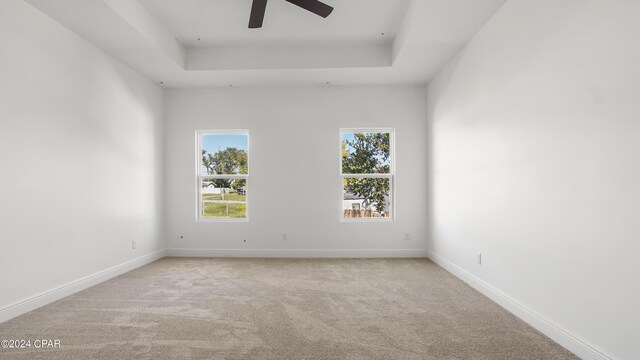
{"x":235,"y":176}
{"x":370,"y":176}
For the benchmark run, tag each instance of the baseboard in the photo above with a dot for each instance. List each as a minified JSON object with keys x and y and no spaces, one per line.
{"x":554,"y":332}
{"x":300,"y":253}
{"x":46,"y":297}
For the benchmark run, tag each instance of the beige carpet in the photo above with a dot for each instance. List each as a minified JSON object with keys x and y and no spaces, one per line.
{"x":179,"y":308}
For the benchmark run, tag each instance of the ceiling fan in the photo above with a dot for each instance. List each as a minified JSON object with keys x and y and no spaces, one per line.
{"x":259,"y":7}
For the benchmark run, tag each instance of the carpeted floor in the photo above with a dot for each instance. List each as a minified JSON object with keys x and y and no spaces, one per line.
{"x":178,"y":308}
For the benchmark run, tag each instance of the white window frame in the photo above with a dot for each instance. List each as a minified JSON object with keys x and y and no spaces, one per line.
{"x":200,"y":177}
{"x":391,"y":175}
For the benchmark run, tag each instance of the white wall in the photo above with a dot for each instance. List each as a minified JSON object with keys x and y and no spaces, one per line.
{"x":80,"y":159}
{"x":294,"y":167}
{"x":535,"y":131}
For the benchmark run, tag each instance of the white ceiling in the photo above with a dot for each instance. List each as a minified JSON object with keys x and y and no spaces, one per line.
{"x":159,"y":38}
{"x":224,"y":22}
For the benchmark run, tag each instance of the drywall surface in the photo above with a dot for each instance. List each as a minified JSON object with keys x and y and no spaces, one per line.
{"x":535,"y":161}
{"x":80,"y":158}
{"x":294,"y":170}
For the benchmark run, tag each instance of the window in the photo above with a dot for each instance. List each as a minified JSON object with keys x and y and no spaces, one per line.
{"x":366,"y":174}
{"x":223,"y":175}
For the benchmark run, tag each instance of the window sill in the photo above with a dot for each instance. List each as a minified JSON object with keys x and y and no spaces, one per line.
{"x":222,"y":220}
{"x":367,"y":220}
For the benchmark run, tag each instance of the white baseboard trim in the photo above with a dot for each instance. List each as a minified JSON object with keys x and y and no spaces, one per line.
{"x":300,"y":253}
{"x":23,"y":306}
{"x":554,"y":332}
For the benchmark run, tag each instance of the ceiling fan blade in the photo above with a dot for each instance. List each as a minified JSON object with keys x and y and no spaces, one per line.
{"x":315,"y":6}
{"x":257,"y":13}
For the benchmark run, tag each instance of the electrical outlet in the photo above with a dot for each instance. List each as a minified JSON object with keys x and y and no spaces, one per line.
{"x":479,"y":258}
{"x":407,"y":236}
{"x":285,"y":237}
{"x":133,"y":245}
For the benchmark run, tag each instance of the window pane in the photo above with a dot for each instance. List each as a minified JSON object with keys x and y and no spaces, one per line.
{"x":224,"y":198}
{"x":366,"y":153}
{"x":366,"y":198}
{"x":224,"y":154}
